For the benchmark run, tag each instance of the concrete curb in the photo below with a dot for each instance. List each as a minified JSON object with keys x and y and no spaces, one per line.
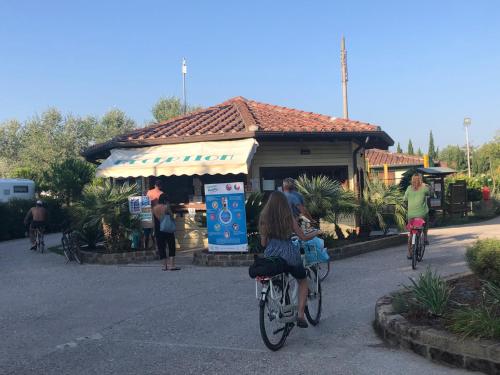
{"x":202,"y":258}
{"x":119,"y":258}
{"x":439,"y":346}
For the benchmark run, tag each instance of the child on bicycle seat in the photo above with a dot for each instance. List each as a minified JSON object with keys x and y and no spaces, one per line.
{"x":276,"y":226}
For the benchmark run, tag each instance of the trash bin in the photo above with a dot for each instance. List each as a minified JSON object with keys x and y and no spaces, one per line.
{"x":486,"y":193}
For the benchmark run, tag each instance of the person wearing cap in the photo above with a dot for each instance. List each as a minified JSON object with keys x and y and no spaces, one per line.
{"x":37,"y":218}
{"x":295,"y":199}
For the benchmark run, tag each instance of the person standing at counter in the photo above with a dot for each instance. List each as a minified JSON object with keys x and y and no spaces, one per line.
{"x":164,"y":239}
{"x":154,"y":193}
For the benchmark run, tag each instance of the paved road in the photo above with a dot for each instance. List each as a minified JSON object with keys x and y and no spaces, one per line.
{"x":90,"y":319}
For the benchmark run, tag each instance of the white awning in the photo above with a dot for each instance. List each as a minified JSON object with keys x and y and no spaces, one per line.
{"x":200,"y":158}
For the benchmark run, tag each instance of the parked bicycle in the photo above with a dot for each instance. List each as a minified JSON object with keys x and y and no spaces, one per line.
{"x":416,"y":228}
{"x":278,"y":305}
{"x":71,"y":246}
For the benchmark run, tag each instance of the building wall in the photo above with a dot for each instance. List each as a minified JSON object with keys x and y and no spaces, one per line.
{"x":288,"y":154}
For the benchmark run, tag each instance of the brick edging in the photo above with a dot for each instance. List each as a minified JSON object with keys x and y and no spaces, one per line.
{"x":119,"y":258}
{"x":439,"y":346}
{"x":202,"y":258}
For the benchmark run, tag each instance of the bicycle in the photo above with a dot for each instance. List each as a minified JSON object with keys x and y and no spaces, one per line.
{"x":323,"y":270}
{"x":416,"y":228}
{"x":278,"y":305}
{"x":71,"y":246}
{"x":39,"y":240}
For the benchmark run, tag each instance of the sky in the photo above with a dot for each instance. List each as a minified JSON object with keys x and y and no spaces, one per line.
{"x":414,"y":66}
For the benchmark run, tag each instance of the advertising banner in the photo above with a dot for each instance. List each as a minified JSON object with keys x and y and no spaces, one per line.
{"x":226,"y":218}
{"x":140,"y":205}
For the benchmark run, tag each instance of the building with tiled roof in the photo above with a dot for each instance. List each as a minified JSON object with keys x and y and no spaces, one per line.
{"x":239,"y":140}
{"x":240,"y":118}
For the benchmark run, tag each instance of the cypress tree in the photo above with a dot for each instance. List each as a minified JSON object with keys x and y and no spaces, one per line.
{"x":410,"y":148}
{"x":419,"y":152}
{"x":432,"y":151}
{"x":399,"y":150}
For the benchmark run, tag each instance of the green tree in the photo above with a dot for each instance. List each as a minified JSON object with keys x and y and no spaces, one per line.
{"x":432,"y":150}
{"x":454,"y":156}
{"x":419,"y":152}
{"x":169,"y":107}
{"x":399,"y":150}
{"x":68,"y":177}
{"x":410,"y":150}
{"x":113,"y":123}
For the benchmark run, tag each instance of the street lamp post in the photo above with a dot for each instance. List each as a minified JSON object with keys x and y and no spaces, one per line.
{"x":467,"y":122}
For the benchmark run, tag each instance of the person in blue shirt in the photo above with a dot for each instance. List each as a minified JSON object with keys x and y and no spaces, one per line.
{"x":295,"y":199}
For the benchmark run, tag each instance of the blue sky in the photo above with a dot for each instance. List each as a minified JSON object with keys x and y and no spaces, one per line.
{"x":413,"y":66}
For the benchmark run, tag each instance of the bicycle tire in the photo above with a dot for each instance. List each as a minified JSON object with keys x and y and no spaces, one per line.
{"x":74,"y":250}
{"x":414,"y":253}
{"x":421,"y":251}
{"x":323,"y":270}
{"x":66,"y":251}
{"x":284,"y":330}
{"x":313,"y":317}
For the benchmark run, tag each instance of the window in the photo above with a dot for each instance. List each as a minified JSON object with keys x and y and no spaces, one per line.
{"x":20,"y":189}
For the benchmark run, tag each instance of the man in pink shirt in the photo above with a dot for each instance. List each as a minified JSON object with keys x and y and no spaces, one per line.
{"x":154,"y":193}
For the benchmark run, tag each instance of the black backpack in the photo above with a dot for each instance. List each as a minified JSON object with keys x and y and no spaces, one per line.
{"x":270,"y":266}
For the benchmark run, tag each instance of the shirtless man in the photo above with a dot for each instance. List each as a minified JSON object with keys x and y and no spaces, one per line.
{"x":38,"y":217}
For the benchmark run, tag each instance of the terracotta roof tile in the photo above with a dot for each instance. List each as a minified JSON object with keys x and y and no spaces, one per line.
{"x":239,"y":115}
{"x":377,"y":158}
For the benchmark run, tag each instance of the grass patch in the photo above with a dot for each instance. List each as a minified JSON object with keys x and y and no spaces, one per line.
{"x":482,"y":321}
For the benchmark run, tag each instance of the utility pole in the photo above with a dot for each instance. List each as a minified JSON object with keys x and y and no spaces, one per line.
{"x":467,"y":122}
{"x":184,"y":72}
{"x":343,"y":62}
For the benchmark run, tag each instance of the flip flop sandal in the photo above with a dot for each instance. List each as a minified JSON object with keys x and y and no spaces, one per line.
{"x":174,"y":269}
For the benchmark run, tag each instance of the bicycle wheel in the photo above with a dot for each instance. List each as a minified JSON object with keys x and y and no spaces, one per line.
{"x":421,"y":250}
{"x":313,"y":306}
{"x":323,"y":270}
{"x":273,"y":332}
{"x":66,"y":250}
{"x":414,"y":253}
{"x":74,"y":250}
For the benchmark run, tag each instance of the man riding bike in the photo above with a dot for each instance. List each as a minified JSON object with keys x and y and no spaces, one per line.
{"x":416,"y":195}
{"x":295,"y":200}
{"x":37,"y":218}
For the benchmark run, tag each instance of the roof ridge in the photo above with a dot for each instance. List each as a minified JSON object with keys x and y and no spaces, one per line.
{"x":241,"y":106}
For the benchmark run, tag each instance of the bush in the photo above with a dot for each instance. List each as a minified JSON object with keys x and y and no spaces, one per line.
{"x":431,"y":292}
{"x":484,"y":259}
{"x":12,"y":215}
{"x":476,"y":322}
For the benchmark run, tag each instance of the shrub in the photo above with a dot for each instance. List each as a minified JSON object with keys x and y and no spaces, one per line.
{"x":431,"y":292}
{"x":484,"y":259}
{"x":12,"y":215}
{"x":492,"y":293}
{"x":476,"y":322}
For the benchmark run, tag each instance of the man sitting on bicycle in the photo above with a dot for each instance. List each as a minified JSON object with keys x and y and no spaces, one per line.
{"x":276,"y":226}
{"x":296,"y":200}
{"x":416,"y":195}
{"x":36,"y":217}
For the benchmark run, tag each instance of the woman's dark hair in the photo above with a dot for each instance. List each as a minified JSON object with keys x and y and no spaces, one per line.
{"x":163,"y":199}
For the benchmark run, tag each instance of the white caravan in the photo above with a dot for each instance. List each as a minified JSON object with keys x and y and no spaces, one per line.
{"x":11,"y":188}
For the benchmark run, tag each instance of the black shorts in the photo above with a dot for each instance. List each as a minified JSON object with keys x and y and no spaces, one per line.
{"x":299,"y":272}
{"x":37,"y":225}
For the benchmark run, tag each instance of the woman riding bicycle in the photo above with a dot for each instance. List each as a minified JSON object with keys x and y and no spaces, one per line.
{"x":276,"y":226}
{"x":416,"y":195}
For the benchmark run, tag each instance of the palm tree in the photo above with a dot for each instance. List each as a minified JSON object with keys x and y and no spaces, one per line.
{"x":326,"y":199}
{"x":381,"y":206}
{"x":107,"y":206}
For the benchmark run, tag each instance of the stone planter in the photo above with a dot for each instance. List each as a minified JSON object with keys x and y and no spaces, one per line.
{"x":436,"y":345}
{"x":119,"y":258}
{"x":203,"y":258}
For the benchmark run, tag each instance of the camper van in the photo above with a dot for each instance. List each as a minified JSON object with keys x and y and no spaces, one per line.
{"x":12,"y":188}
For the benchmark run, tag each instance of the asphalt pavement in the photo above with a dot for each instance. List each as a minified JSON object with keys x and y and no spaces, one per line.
{"x":58,"y":318}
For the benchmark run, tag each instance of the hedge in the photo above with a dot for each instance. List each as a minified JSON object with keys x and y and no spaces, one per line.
{"x":12,"y":214}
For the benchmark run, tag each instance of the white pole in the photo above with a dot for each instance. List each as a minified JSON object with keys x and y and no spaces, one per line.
{"x":467,"y":122}
{"x":184,"y":72}
{"x":343,"y":62}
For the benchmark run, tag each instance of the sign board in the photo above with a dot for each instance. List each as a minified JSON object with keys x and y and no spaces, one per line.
{"x":140,"y":205}
{"x":226,"y":217}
